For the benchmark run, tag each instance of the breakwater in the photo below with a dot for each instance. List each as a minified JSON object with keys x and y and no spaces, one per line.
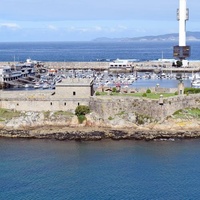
{"x":193,"y":66}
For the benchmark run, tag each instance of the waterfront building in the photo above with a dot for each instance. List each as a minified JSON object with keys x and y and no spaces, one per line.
{"x":119,"y":63}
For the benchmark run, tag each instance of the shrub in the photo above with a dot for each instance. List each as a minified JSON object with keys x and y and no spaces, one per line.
{"x":110,"y":118}
{"x":191,"y":90}
{"x":82,"y":110}
{"x":114,"y":89}
{"x":144,"y":94}
{"x":97,"y":93}
{"x":81,"y":118}
{"x":148,"y":91}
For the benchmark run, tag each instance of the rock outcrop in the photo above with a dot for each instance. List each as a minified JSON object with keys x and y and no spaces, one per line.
{"x":126,"y":127}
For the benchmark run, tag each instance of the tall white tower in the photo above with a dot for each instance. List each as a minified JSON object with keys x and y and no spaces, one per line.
{"x":182,"y":16}
{"x":182,"y":51}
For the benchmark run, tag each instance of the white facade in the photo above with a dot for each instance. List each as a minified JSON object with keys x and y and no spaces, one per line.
{"x":120,"y":64}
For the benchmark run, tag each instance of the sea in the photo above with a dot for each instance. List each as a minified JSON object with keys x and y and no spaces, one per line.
{"x":97,"y":51}
{"x":36,"y":169}
{"x":33,"y":169}
{"x":90,"y":51}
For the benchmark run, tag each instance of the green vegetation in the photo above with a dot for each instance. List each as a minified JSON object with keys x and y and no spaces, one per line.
{"x":114,"y":90}
{"x":187,"y":113}
{"x":46,"y":114}
{"x":144,"y":95}
{"x":142,"y":119}
{"x":101,"y":93}
{"x":97,"y":93}
{"x":62,"y":113}
{"x":81,"y":118}
{"x":148,"y":91}
{"x":191,"y":90}
{"x":150,"y":95}
{"x":110,"y":118}
{"x":81,"y":111}
{"x":6,"y":114}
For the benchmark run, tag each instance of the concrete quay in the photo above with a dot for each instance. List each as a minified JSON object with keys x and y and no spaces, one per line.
{"x":151,"y":66}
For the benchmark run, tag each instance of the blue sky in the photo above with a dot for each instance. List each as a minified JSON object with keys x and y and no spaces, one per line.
{"x":83,"y":20}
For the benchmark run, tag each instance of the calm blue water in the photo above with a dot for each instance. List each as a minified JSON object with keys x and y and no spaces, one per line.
{"x":163,"y":83}
{"x":48,"y":169}
{"x":90,"y":51}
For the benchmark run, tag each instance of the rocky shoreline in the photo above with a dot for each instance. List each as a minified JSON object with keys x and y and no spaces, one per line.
{"x":95,"y":134}
{"x":35,"y":125}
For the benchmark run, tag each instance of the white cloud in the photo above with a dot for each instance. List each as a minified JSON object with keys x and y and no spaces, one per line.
{"x":98,"y":28}
{"x":52,"y":27}
{"x":117,"y":28}
{"x":11,"y":26}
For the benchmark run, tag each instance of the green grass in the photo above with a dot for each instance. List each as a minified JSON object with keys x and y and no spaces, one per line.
{"x":6,"y":114}
{"x":187,"y":113}
{"x":101,"y":94}
{"x":63,"y":113}
{"x":148,"y":95}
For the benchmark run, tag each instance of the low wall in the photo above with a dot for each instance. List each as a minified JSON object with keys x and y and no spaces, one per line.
{"x":140,"y":89}
{"x":107,"y":107}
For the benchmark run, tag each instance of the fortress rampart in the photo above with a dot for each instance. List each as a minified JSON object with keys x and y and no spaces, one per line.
{"x":107,"y":107}
{"x":103,"y":106}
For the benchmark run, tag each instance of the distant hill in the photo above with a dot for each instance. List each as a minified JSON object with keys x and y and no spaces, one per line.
{"x":191,"y":36}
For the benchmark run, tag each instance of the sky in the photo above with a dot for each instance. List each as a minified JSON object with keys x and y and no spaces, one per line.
{"x":85,"y":20}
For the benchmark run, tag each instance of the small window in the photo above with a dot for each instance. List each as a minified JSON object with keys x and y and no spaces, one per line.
{"x":51,"y":103}
{"x":74,"y":93}
{"x":78,"y":104}
{"x":65,"y":104}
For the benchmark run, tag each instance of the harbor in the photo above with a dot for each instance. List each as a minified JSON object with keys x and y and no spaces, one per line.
{"x":45,"y":75}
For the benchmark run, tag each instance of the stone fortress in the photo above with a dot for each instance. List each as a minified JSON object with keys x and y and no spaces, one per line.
{"x":73,"y":92}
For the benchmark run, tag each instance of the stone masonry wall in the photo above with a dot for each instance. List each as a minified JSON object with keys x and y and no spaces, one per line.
{"x":107,"y":107}
{"x":39,"y":101}
{"x":104,"y":106}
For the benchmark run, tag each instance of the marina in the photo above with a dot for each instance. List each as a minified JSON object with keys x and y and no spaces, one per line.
{"x":32,"y":75}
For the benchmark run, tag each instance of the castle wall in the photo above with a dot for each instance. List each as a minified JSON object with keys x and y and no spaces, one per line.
{"x":39,"y":101}
{"x":107,"y":107}
{"x":104,"y":106}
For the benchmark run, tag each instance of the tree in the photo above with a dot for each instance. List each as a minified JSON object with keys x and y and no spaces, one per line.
{"x":82,"y":110}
